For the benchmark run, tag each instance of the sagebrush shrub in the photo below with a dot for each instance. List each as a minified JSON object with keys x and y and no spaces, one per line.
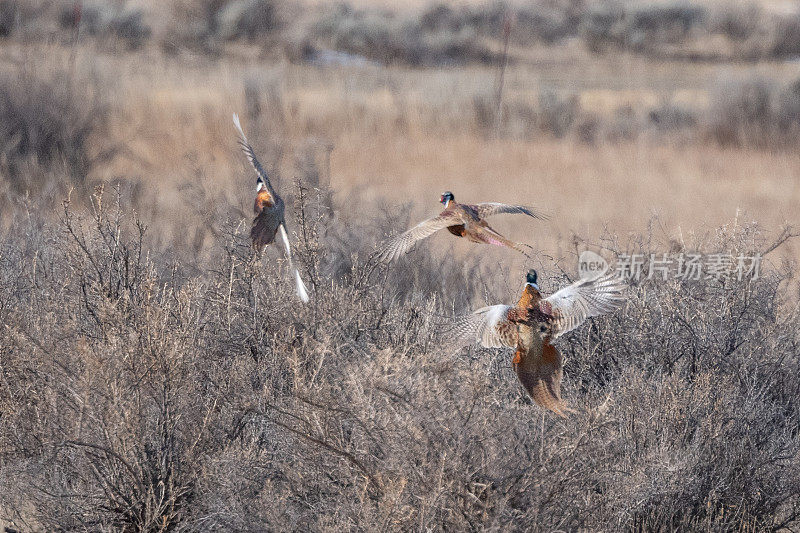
{"x":139,"y":394}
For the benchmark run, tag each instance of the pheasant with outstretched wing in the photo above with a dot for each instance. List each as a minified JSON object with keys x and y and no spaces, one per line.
{"x":269,"y":219}
{"x":531,"y":326}
{"x":462,"y":220}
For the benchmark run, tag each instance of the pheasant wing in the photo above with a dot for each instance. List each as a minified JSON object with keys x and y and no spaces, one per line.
{"x":401,"y":244}
{"x":488,"y":326}
{"x":568,"y":308}
{"x":251,"y":155}
{"x":487,"y":209}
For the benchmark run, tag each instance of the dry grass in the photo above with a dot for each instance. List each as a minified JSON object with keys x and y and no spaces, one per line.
{"x":145,"y":393}
{"x":160,"y":378}
{"x":403,"y":134}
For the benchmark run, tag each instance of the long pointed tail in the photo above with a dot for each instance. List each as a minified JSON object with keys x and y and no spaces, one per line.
{"x":518,"y":247}
{"x":300,"y":287}
{"x":490,"y":236}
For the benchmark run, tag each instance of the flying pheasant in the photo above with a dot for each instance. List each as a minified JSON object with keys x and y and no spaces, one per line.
{"x":534,"y":323}
{"x":269,"y":212}
{"x":462,"y":220}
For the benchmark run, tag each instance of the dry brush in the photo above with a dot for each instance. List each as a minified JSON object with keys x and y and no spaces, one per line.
{"x":152,"y":394}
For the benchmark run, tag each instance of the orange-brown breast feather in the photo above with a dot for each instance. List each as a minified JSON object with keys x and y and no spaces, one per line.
{"x":517,"y":314}
{"x":530,"y":297}
{"x":263,"y":200}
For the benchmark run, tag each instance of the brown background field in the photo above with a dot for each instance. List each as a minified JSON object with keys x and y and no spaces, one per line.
{"x":404,"y":134}
{"x":157,"y":375}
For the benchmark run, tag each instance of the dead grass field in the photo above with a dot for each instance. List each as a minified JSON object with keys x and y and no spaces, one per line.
{"x":403,"y":135}
{"x":155,"y":377}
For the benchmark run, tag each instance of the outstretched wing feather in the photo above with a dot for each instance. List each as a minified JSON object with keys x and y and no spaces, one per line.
{"x":250,"y":154}
{"x":569,"y":307}
{"x":487,"y":209}
{"x":488,"y":326}
{"x":401,"y":244}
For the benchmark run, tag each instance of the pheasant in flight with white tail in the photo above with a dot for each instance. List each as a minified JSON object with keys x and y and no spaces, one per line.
{"x":269,"y":212}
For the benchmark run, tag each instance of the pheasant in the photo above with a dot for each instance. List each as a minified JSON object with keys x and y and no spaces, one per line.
{"x":462,"y":220}
{"x":534,"y":323}
{"x":269,"y":217}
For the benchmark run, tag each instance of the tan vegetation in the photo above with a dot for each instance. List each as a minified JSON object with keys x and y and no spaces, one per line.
{"x":154,"y":376}
{"x":142,"y":394}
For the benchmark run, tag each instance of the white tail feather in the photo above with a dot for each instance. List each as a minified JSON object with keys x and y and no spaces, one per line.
{"x":299,"y":285}
{"x":285,"y":239}
{"x":238,"y":126}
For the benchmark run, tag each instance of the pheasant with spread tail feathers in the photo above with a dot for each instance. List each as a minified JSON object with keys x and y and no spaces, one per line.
{"x":269,"y":212}
{"x":462,"y":220}
{"x":534,"y":323}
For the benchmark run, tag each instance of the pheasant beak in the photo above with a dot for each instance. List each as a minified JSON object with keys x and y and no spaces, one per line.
{"x":444,"y":200}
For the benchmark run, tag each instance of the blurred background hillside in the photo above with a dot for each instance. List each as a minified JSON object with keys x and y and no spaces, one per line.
{"x":610,"y":112}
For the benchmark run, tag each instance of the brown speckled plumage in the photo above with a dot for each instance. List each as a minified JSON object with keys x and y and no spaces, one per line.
{"x":462,"y":220}
{"x":533,"y":324}
{"x":268,"y":208}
